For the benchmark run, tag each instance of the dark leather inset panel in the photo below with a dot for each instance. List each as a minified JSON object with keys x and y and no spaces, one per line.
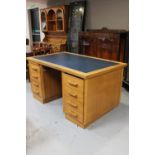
{"x":79,"y":63}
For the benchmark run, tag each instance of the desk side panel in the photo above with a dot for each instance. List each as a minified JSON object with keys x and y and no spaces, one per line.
{"x":102,"y":94}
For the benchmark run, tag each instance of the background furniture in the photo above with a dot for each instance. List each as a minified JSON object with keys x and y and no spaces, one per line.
{"x":35,"y":26}
{"x":38,"y":48}
{"x":54,"y":19}
{"x":57,"y":43}
{"x":90,"y":87}
{"x":76,"y":24}
{"x":107,"y":44}
{"x":54,"y":24}
{"x":41,"y":48}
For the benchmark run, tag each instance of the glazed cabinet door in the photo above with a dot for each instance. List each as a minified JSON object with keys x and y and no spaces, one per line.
{"x":87,"y":46}
{"x":108,"y":46}
{"x":43,"y":20}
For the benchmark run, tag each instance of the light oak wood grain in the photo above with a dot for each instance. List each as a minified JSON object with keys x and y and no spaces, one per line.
{"x":86,"y":96}
{"x":45,"y":82}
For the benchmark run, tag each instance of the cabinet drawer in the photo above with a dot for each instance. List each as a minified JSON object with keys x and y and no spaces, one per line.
{"x":34,"y":67}
{"x":73,"y":95}
{"x":73,"y":104}
{"x":72,"y":82}
{"x":34,"y":71}
{"x":36,"y":88}
{"x":75,"y":115}
{"x":34,"y":75}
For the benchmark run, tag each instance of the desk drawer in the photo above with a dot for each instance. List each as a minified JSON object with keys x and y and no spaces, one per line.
{"x":34,"y":71}
{"x":35,"y":67}
{"x":36,"y":88}
{"x":35,"y":75}
{"x":72,"y":103}
{"x":72,"y":94}
{"x":72,"y":82}
{"x":75,"y":115}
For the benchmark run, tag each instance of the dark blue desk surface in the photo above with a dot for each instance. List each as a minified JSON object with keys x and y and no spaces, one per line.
{"x":79,"y":63}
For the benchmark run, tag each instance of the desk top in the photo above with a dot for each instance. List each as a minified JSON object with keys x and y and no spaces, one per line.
{"x":79,"y":65}
{"x":76,"y":62}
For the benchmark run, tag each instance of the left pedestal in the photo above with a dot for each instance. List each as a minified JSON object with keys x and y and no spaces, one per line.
{"x":45,"y":82}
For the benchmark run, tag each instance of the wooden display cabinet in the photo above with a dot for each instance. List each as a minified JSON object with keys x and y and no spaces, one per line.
{"x":54,"y":22}
{"x":56,"y":19}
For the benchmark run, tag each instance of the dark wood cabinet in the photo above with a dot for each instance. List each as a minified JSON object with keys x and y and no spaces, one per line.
{"x":106,"y":44}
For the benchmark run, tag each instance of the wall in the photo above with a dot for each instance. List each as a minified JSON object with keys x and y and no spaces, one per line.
{"x":100,"y":13}
{"x":30,"y":5}
{"x":108,"y":13}
{"x":103,"y":13}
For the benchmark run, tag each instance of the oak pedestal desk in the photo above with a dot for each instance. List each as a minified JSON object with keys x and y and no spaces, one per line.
{"x":90,"y":87}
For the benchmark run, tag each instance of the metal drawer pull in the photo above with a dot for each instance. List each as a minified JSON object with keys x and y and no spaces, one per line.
{"x":73,"y":95}
{"x":72,"y":104}
{"x":73,"y":84}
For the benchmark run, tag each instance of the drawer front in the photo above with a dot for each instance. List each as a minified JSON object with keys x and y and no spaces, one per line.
{"x":73,"y":82}
{"x":34,"y":71}
{"x":73,"y":95}
{"x":73,"y":104}
{"x":74,"y":114}
{"x":34,"y":67}
{"x":36,"y":88}
{"x":35,"y":75}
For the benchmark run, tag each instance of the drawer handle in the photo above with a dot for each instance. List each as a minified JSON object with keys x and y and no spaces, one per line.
{"x":36,"y":92}
{"x":37,"y":85}
{"x":72,"y":84}
{"x":73,"y":95}
{"x":72,"y":104}
{"x":35,"y":77}
{"x":73,"y":114}
{"x":35,"y":69}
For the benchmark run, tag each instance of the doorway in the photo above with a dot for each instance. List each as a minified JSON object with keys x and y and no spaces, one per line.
{"x":35,"y":24}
